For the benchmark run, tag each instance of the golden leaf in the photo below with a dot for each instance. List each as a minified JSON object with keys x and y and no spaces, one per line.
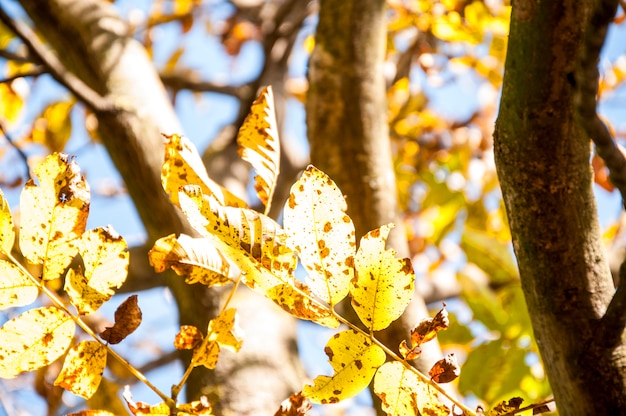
{"x":7,"y":232}
{"x":222,"y":333}
{"x":296,"y":298}
{"x":127,"y":320}
{"x":83,"y":368}
{"x":355,"y":359}
{"x":195,"y":258}
{"x":183,"y":166}
{"x":53,"y":127}
{"x":54,"y":215}
{"x":11,"y":103}
{"x":188,"y":338}
{"x":402,"y":393}
{"x":16,"y":289}
{"x":34,"y":339}
{"x":105,"y":258}
{"x":322,"y":233}
{"x":383,"y":286}
{"x":259,"y":145}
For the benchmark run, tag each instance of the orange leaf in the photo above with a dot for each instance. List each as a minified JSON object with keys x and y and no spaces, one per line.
{"x":445,"y":370}
{"x":127,"y":319}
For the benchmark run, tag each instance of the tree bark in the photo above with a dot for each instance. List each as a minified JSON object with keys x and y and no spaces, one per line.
{"x":542,"y":159}
{"x":94,"y":44}
{"x":348,"y":131}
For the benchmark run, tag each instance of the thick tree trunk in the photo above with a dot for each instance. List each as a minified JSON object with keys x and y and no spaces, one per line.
{"x":93,"y":43}
{"x":542,"y":157}
{"x":348,"y":130}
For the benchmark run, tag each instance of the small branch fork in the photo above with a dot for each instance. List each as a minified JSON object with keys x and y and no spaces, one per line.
{"x":613,"y":322}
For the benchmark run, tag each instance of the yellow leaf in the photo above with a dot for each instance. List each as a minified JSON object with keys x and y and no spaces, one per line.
{"x":83,"y":368}
{"x":222,"y":333}
{"x":54,"y":214}
{"x":53,"y":127}
{"x":195,"y":258}
{"x":34,"y":339}
{"x":383,"y":286}
{"x":322,"y":233}
{"x":7,"y":232}
{"x":402,"y":392}
{"x":297,"y":299}
{"x":183,"y":166}
{"x":105,"y":258}
{"x":11,"y":103}
{"x":259,"y":145}
{"x":16,"y":289}
{"x":355,"y":360}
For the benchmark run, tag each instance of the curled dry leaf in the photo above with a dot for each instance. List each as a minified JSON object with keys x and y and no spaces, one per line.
{"x":127,"y":320}
{"x":445,"y":370}
{"x":294,"y":405}
{"x":427,"y":329}
{"x":188,"y":338}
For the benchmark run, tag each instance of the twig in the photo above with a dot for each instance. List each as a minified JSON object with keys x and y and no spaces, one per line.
{"x":18,"y":57}
{"x":92,"y":99}
{"x":33,"y":72}
{"x":186,"y":80}
{"x":20,"y":152}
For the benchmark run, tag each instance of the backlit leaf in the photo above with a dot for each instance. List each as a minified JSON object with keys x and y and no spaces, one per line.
{"x":403,"y":393}
{"x":34,"y":339}
{"x":105,"y":258}
{"x":427,"y":328}
{"x":195,"y":258}
{"x":83,"y":368}
{"x":383,"y":286}
{"x":7,"y":232}
{"x":322,"y":233}
{"x":188,"y":338}
{"x":16,"y":289}
{"x":507,"y":407}
{"x":53,"y":214}
{"x":53,"y":127}
{"x":11,"y":102}
{"x":355,"y":359}
{"x":222,"y":333}
{"x":257,"y":245}
{"x":259,"y":145}
{"x":127,"y":320}
{"x":294,"y":405}
{"x":183,"y":166}
{"x":445,"y":370}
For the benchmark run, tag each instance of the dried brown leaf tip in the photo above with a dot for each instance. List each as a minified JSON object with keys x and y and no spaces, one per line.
{"x":425,"y":331}
{"x":445,"y":370}
{"x":188,"y":338}
{"x":295,"y":405}
{"x":127,"y":320}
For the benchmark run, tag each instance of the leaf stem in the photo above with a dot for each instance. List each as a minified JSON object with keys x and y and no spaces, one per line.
{"x":59,"y":304}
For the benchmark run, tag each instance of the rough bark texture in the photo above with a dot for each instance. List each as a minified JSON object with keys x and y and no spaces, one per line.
{"x":542,"y":157}
{"x":348,"y":131}
{"x":93,"y":43}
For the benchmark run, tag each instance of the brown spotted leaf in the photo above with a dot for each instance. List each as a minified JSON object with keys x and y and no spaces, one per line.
{"x":223,"y":332}
{"x":427,"y":329}
{"x":354,"y":359}
{"x":195,"y":258}
{"x":183,"y":166}
{"x":294,"y":405}
{"x":127,"y":320}
{"x":322,"y":233}
{"x":53,"y":214}
{"x":188,"y":338}
{"x":506,"y":407}
{"x":16,"y":289}
{"x":445,"y":370}
{"x":259,"y":145}
{"x":83,"y":368}
{"x":383,"y":286}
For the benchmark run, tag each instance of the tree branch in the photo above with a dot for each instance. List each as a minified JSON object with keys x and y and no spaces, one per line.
{"x":186,"y":79}
{"x":92,"y":99}
{"x":17,"y":57}
{"x":33,"y":72}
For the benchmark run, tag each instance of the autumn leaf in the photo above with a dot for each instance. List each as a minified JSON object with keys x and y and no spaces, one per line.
{"x":7,"y":231}
{"x":53,"y":127}
{"x":222,"y":333}
{"x":294,"y":405}
{"x":91,"y":412}
{"x":296,"y":298}
{"x":188,"y":338}
{"x":34,"y":339}
{"x":354,"y":359}
{"x":445,"y":370}
{"x":53,"y":215}
{"x":16,"y":289}
{"x":195,"y":258}
{"x":127,"y":320}
{"x":183,"y":166}
{"x":83,"y":368}
{"x":506,"y":407}
{"x":402,"y":393}
{"x":141,"y":408}
{"x":322,"y":233}
{"x":383,"y":286}
{"x":259,"y":145}
{"x":425,"y":331}
{"x":105,"y":259}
